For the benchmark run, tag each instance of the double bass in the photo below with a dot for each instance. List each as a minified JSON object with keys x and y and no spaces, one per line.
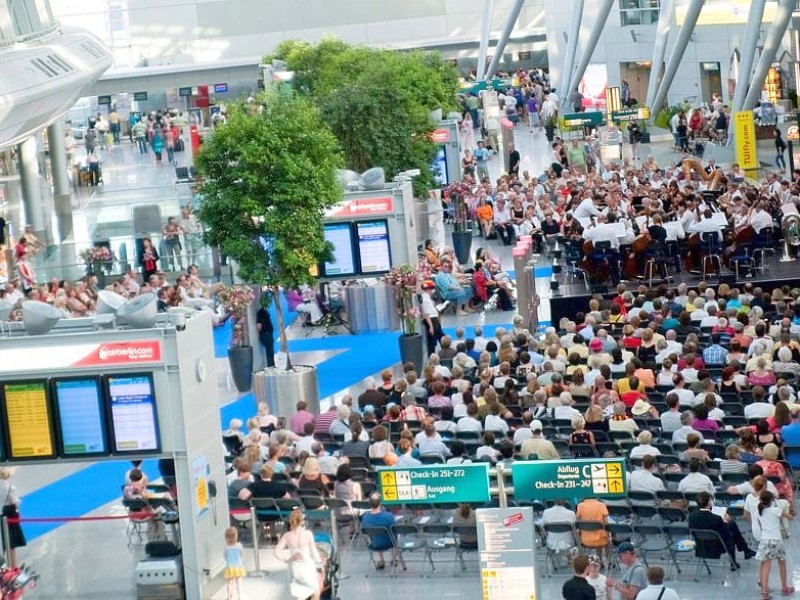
{"x":597,"y":271}
{"x":638,"y":247}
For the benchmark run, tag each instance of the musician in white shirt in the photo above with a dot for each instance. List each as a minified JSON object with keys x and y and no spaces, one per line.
{"x":760,"y":219}
{"x":706,"y":225}
{"x":586,"y":209}
{"x":604,"y":232}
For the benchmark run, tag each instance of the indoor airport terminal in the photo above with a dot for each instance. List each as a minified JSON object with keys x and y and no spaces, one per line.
{"x":338,"y":299}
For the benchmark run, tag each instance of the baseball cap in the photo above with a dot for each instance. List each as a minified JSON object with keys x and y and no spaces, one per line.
{"x":596,"y":344}
{"x":625,"y":547}
{"x":536,"y":425}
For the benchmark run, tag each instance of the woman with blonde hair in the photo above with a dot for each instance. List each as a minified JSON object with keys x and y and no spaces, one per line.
{"x":772,"y":468}
{"x":11,"y":511}
{"x":594,"y":419}
{"x":303,"y":558}
{"x":312,"y":481}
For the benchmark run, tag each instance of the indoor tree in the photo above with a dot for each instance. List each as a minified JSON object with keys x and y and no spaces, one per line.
{"x":269,"y":174}
{"x":377,"y":102}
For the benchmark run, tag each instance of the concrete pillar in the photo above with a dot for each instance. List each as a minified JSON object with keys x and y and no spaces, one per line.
{"x":29,"y":182}
{"x":504,"y":35}
{"x":62,"y":191}
{"x":659,"y":51}
{"x":692,"y":14}
{"x":774,"y":36}
{"x":748,"y":53}
{"x":591,"y":44}
{"x":575,"y":18}
{"x":486,"y":30}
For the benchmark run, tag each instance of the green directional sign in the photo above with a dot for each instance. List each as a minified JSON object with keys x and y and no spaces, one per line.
{"x":641,"y":113}
{"x":583,"y":119}
{"x":434,"y":483}
{"x":554,"y":479}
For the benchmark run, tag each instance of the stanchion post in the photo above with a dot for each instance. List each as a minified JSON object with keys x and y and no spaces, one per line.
{"x":254,"y":530}
{"x":502,"y":497}
{"x":6,"y":542}
{"x":790,"y":146}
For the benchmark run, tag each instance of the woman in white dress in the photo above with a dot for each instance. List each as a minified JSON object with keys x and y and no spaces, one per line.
{"x":467,"y":130}
{"x":303,"y":558}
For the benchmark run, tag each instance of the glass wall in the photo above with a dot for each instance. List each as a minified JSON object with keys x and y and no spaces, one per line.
{"x":638,"y":12}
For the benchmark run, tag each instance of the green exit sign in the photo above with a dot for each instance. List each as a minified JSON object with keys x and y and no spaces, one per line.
{"x":565,"y":479}
{"x":435,"y":483}
{"x":140,"y":96}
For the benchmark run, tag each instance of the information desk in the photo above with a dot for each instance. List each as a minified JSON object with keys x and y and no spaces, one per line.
{"x":371,"y":309}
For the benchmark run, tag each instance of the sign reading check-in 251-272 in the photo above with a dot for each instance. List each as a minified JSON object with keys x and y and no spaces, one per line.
{"x":554,"y":479}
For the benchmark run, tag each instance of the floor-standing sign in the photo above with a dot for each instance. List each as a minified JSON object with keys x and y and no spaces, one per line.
{"x":507,"y":548}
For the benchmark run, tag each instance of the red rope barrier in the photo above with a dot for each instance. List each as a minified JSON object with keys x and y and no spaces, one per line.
{"x":133,"y":515}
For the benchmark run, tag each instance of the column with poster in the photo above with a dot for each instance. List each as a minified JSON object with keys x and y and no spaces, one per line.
{"x":506,"y":544}
{"x":744,"y":138}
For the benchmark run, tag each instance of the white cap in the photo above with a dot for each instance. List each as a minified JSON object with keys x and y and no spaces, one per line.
{"x":536,"y":425}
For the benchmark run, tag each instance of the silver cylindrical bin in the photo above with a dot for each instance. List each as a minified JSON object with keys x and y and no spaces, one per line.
{"x":371,"y":309}
{"x":282,"y":390}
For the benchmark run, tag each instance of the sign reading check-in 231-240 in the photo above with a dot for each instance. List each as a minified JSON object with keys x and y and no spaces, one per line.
{"x":554,"y":479}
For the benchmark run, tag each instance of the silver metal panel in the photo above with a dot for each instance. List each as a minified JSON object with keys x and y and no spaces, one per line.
{"x":371,"y":309}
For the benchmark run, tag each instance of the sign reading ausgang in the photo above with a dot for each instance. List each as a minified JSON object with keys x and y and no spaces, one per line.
{"x":436,"y":483}
{"x":554,"y":479}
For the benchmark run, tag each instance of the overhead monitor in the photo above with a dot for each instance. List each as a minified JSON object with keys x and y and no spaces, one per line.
{"x":80,"y":414}
{"x":29,"y":420}
{"x":374,"y":253}
{"x":439,"y":166}
{"x":134,"y":419}
{"x":340,"y":235}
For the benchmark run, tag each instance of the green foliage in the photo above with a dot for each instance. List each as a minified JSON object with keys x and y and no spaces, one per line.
{"x":376,"y":102}
{"x":270,"y":173}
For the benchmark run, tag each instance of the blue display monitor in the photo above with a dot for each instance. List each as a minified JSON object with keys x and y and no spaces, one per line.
{"x":374,"y":251}
{"x":133,"y":415}
{"x":80,"y":414}
{"x":340,"y":236}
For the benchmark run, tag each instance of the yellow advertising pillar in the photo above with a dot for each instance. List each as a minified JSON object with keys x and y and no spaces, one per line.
{"x":744,"y":139}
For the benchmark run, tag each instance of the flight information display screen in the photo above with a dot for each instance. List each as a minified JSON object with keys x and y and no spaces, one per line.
{"x":29,"y":419}
{"x":134,"y":420}
{"x":340,"y":235}
{"x":81,"y":416}
{"x":373,"y":246}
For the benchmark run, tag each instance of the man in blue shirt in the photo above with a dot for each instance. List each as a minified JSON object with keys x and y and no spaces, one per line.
{"x":715,"y":354}
{"x":450,"y":288}
{"x":790,"y":435}
{"x":378,"y":517}
{"x":481,"y":155}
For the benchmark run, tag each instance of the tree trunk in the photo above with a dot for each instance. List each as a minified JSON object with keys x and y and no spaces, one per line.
{"x":276,"y":299}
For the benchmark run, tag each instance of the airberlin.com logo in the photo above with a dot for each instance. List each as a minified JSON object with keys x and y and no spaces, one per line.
{"x":123,"y":353}
{"x":132,"y":353}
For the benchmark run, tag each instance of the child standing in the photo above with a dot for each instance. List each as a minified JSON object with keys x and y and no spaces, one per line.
{"x":596,"y":579}
{"x":234,"y":569}
{"x":771,"y":545}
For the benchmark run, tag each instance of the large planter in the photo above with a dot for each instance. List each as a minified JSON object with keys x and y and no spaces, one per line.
{"x":462,"y":245}
{"x":412,"y":349}
{"x":281,"y":390}
{"x":240,"y":360}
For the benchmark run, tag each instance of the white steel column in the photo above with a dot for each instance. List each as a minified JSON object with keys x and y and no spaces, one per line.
{"x":504,"y":35}
{"x":572,"y":43}
{"x":659,"y":49}
{"x":771,"y":45}
{"x":486,"y":29}
{"x":591,"y":44}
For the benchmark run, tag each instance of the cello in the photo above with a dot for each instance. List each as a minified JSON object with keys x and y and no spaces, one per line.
{"x":638,"y":247}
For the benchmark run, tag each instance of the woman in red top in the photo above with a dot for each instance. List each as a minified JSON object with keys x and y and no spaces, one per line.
{"x":630,"y":397}
{"x":696,"y":124}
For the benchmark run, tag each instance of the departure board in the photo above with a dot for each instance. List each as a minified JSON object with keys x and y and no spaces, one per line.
{"x":340,"y":235}
{"x":134,"y":421}
{"x":29,"y":420}
{"x":80,"y":416}
{"x":373,"y":247}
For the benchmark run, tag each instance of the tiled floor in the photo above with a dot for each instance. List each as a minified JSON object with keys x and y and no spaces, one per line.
{"x":91,"y":560}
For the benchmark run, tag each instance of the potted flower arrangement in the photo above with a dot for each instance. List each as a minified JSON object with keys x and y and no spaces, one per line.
{"x":235,"y":300}
{"x":458,"y":193}
{"x":406,"y":280}
{"x":96,"y":259}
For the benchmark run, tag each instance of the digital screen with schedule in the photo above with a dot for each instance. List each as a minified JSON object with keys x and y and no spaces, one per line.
{"x":340,"y":236}
{"x":29,"y":419}
{"x":134,"y":420}
{"x":373,"y":246}
{"x":81,"y":419}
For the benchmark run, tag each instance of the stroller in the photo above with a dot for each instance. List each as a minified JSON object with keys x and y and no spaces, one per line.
{"x":330,"y":570}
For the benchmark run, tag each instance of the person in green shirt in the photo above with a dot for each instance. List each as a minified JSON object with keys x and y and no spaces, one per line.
{"x":576,"y":158}
{"x":139,"y":132}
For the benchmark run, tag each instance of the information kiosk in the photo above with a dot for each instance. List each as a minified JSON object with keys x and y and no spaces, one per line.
{"x":79,"y":394}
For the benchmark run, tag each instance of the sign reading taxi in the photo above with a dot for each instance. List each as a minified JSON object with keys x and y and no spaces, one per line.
{"x":554,"y":479}
{"x":434,"y":483}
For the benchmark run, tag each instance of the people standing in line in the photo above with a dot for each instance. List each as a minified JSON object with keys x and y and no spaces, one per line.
{"x":192,"y":233}
{"x":169,"y":144}
{"x":114,"y":125}
{"x":157,"y":142}
{"x":780,"y":148}
{"x":69,"y":147}
{"x":101,"y":127}
{"x":513,"y":160}
{"x":771,"y":546}
{"x":89,"y":140}
{"x":93,"y":162}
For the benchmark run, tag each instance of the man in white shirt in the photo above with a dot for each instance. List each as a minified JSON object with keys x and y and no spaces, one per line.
{"x":760,"y":219}
{"x":586,"y":209}
{"x":706,"y":225}
{"x":470,"y":423}
{"x":696,"y":481}
{"x":643,"y":480}
{"x":671,"y":419}
{"x":759,"y":410}
{"x":550,"y":106}
{"x":502,"y":222}
{"x":603,"y":232}
{"x":558,"y":513}
{"x":680,"y":435}
{"x":685,"y":397}
{"x":523,"y":433}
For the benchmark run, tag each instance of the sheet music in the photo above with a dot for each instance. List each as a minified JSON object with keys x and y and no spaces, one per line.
{"x":719,"y":219}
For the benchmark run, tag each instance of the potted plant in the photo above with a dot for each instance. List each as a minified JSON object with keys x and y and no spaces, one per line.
{"x":269,"y":174}
{"x":96,"y":259}
{"x":236,"y":300}
{"x":405,"y":280}
{"x":458,"y":193}
{"x":550,"y":125}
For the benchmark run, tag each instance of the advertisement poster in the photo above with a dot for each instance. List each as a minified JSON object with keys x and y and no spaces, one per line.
{"x":200,"y":473}
{"x":593,"y":86}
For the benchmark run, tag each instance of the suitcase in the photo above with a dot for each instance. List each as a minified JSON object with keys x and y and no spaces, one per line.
{"x":179,"y":145}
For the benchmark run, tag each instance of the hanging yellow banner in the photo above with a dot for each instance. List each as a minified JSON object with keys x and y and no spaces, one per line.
{"x":744,"y":137}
